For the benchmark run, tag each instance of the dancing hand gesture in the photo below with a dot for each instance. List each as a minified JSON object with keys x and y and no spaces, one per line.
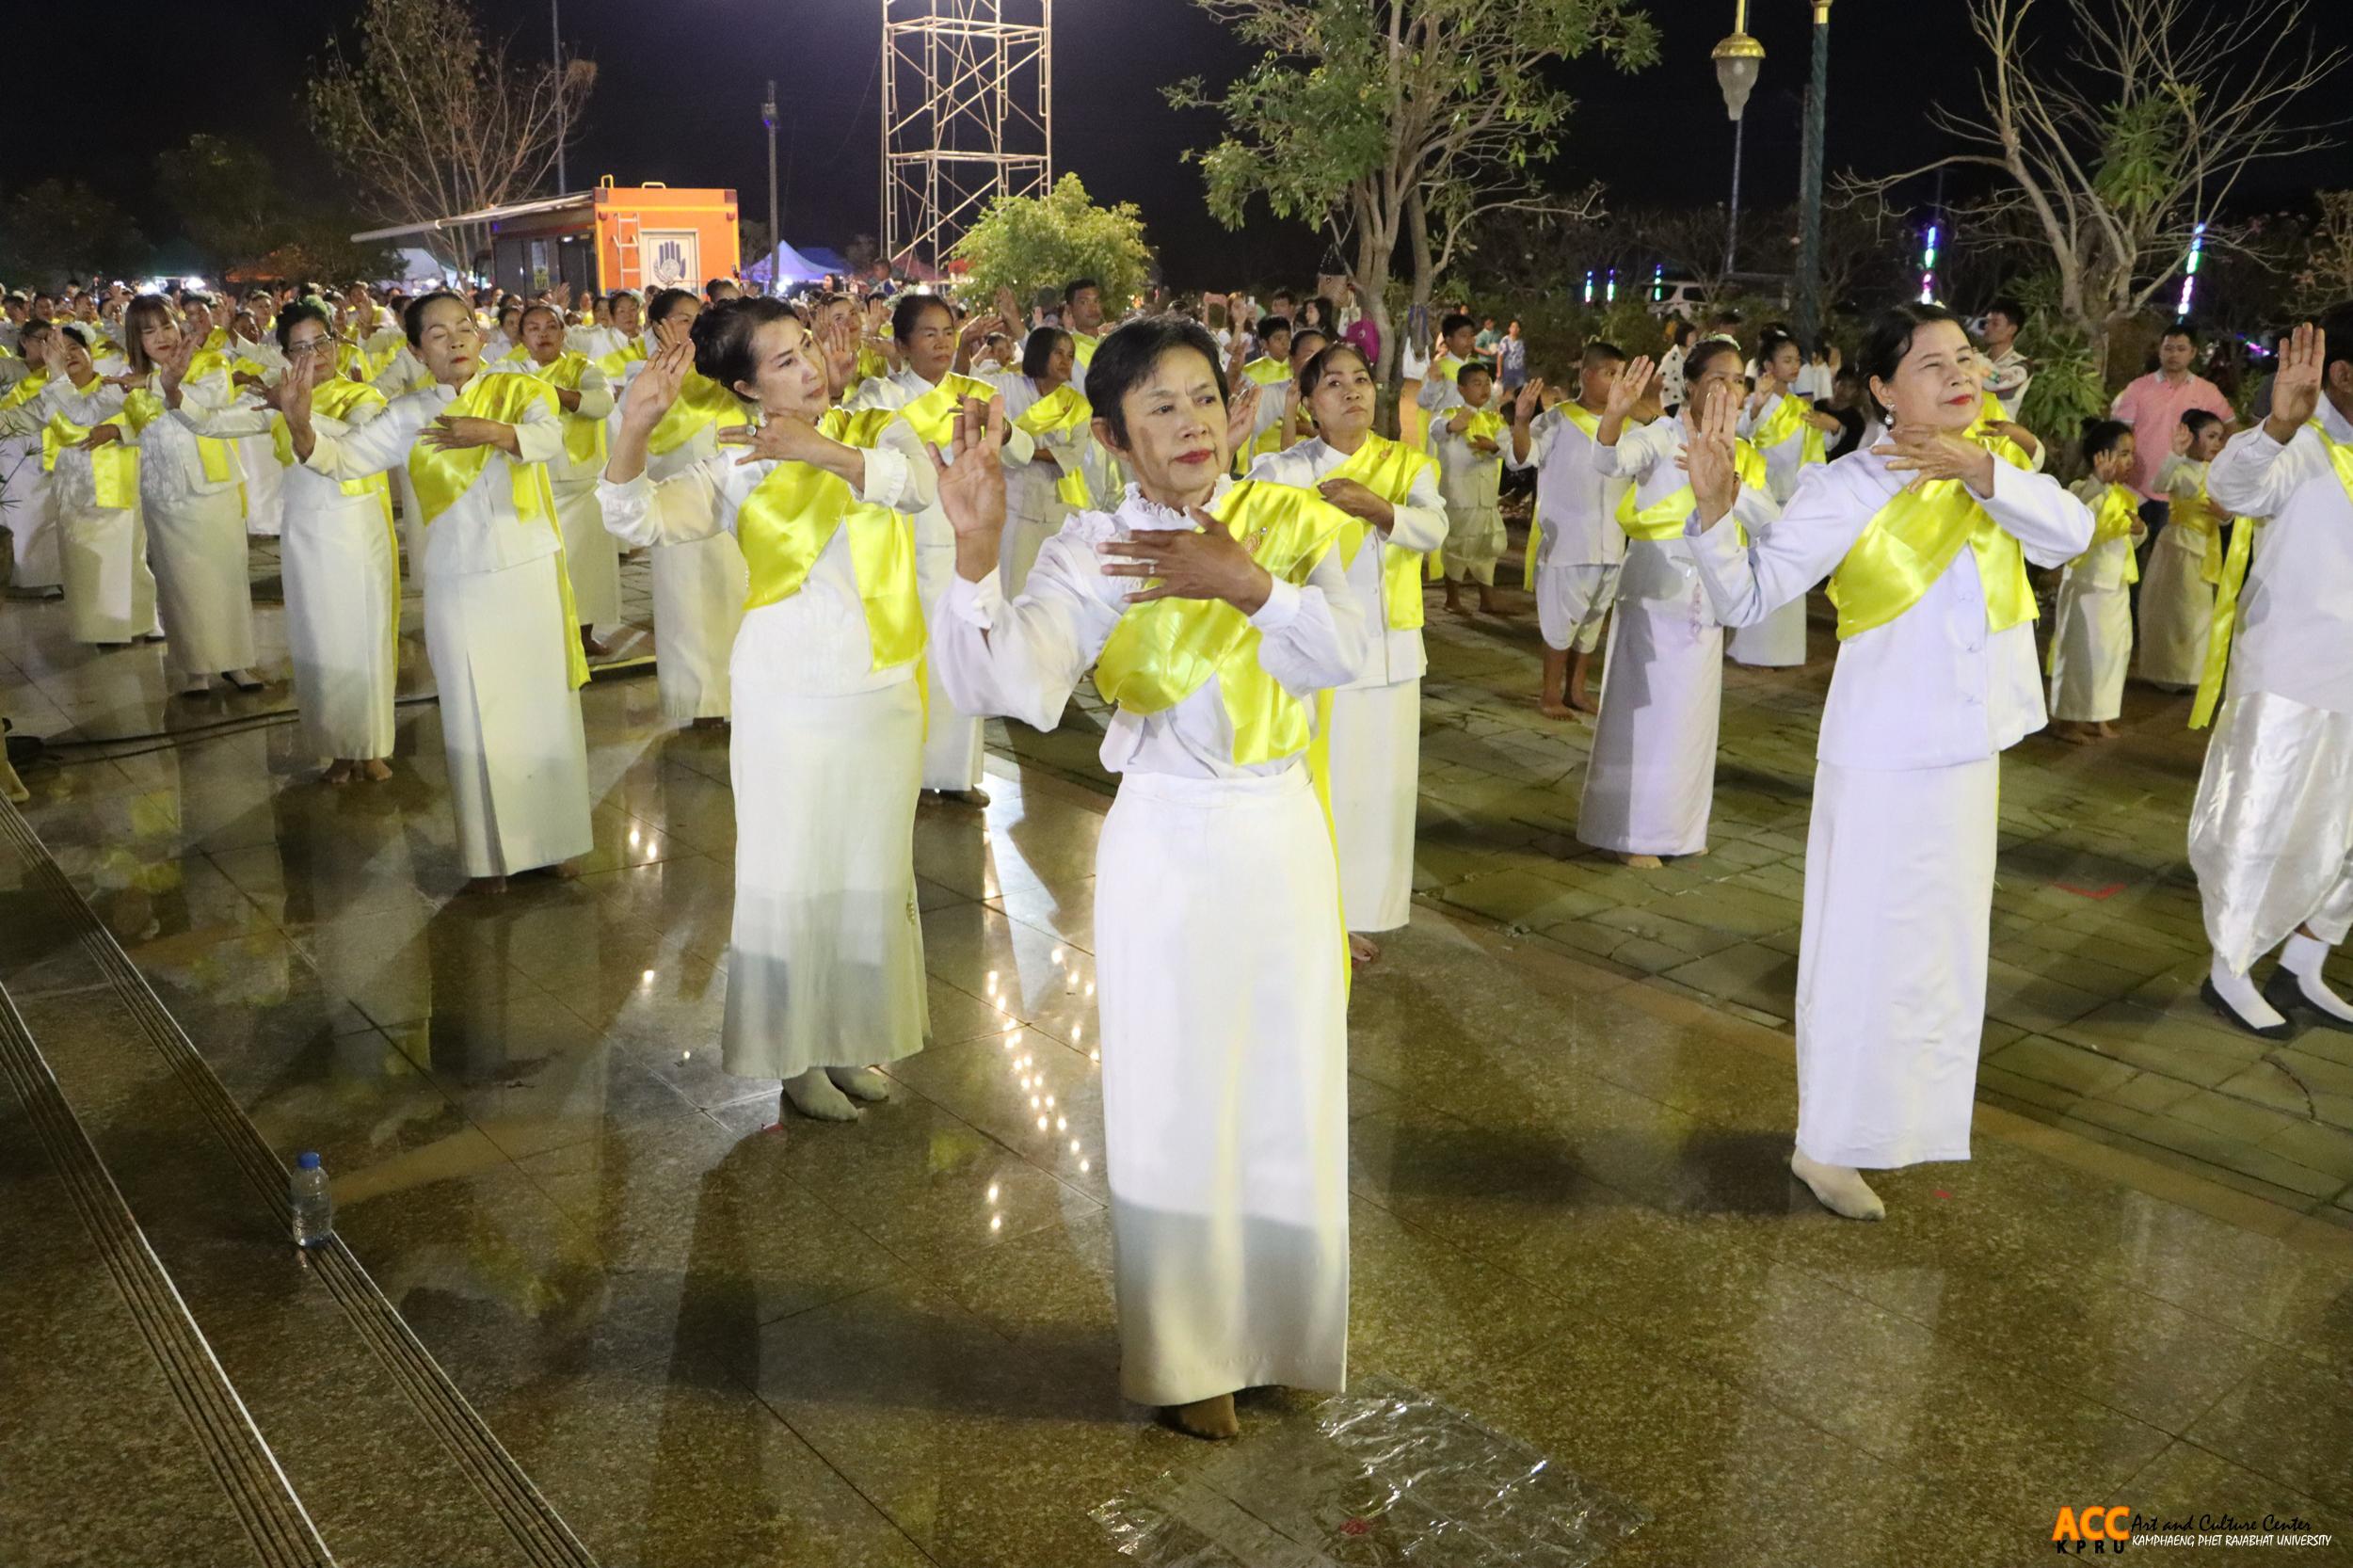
{"x":1212,"y":564}
{"x":1241,"y":414}
{"x":1711,"y":459}
{"x":2295,"y":388}
{"x":292,"y":395}
{"x":1627,"y":391}
{"x":972,"y":485}
{"x":657,"y":386}
{"x":1929,"y":454}
{"x":777,"y":438}
{"x":1529,"y":403}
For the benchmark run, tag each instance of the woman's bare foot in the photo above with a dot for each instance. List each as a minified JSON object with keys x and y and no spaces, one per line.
{"x":591,"y":646}
{"x":1552,"y":710}
{"x":2108,"y":730}
{"x":339,"y":772}
{"x":1584,"y":704}
{"x":1643,"y":862}
{"x":1362,"y":949}
{"x":860,"y":1084}
{"x":486,"y":885}
{"x":1489,"y":604}
{"x":2072,"y":733}
{"x":1212,"y":1419}
{"x":814,"y":1096}
{"x":376,"y":770}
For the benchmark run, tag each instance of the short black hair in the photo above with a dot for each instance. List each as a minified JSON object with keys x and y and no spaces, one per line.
{"x":723,"y":338}
{"x":1476,"y":367}
{"x":1311,"y":374}
{"x":1301,"y":336}
{"x":1071,"y":289}
{"x":2179,"y":329}
{"x":2198,"y":420}
{"x":1125,"y":359}
{"x":1600,"y":353}
{"x":530,"y":310}
{"x":908,"y":315}
{"x":2101,"y":437}
{"x":1039,"y":347}
{"x":294,"y":315}
{"x":1705,"y":353}
{"x":1269,"y":326}
{"x":1454,"y":322}
{"x":659,"y":309}
{"x":712,"y":287}
{"x":1890,"y":338}
{"x":412,"y":313}
{"x":2008,"y":308}
{"x":1770,"y":343}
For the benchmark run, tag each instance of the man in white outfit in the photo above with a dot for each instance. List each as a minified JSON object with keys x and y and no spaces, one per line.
{"x":1574,"y":557}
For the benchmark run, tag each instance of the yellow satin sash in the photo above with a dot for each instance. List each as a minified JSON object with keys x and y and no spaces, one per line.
{"x":1388,"y":470}
{"x":1059,"y":412}
{"x":701,"y":402}
{"x":1584,"y":420}
{"x":1664,"y":518}
{"x":143,"y":408}
{"x":1787,"y":418}
{"x":2114,"y":518}
{"x":25,"y":390}
{"x":1269,"y":374}
{"x":439,"y":478}
{"x":1449,"y":367}
{"x":1082,"y":347}
{"x":615,"y":363}
{"x":871,"y":366}
{"x":933,"y":416}
{"x":2199,"y":515}
{"x":1163,"y":652}
{"x":114,"y":468}
{"x":584,"y":437}
{"x":791,"y":517}
{"x":1907,"y":546}
{"x":339,"y":399}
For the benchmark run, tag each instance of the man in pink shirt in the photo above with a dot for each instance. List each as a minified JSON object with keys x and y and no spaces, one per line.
{"x":2154,"y":407}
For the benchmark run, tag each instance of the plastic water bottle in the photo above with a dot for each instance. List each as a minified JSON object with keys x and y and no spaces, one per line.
{"x":314,"y":1210}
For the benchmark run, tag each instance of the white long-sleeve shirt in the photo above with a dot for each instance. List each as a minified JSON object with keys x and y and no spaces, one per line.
{"x":1661,"y":570}
{"x":1023,"y":658}
{"x":74,"y":481}
{"x":1029,"y":487}
{"x":1784,"y":460}
{"x":1577,"y":504}
{"x":933,"y":530}
{"x":2295,"y":633}
{"x":596,"y":402}
{"x":817,"y":638}
{"x":171,"y":465}
{"x":481,"y":531}
{"x":1391,"y":655}
{"x":1932,"y":687}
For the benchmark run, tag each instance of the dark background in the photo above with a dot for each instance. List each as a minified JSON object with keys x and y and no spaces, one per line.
{"x":679,"y":86}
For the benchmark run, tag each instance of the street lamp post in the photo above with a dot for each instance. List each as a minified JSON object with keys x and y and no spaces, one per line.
{"x":1810,"y":302}
{"x":775,"y":239}
{"x":555,"y":27}
{"x":1738,"y":59}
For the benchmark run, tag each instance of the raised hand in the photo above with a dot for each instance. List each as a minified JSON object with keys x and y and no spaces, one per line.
{"x":1711,"y":458}
{"x":838,"y":342}
{"x":1211,"y":563}
{"x":2296,"y":387}
{"x":2180,"y":439}
{"x":292,"y":395}
{"x":1929,"y":454}
{"x":657,"y":386}
{"x":1529,"y":402}
{"x":1242,"y":413}
{"x":1627,"y":391}
{"x":972,"y":484}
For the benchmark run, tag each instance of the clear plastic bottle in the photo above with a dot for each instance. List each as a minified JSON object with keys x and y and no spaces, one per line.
{"x":313,"y":1209}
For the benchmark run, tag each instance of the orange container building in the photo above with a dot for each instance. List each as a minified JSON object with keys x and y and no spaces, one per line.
{"x":638,"y":237}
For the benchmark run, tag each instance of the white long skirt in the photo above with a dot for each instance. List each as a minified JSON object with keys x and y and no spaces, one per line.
{"x":826,"y":959}
{"x":1777,"y":642}
{"x":1892,"y":961}
{"x":510,"y":721}
{"x":1224,"y":1030}
{"x":1573,"y":604}
{"x":2176,"y":615}
{"x":592,"y":556}
{"x":342,"y":622}
{"x":264,"y":486}
{"x":952,"y":749}
{"x":1375,"y":785}
{"x":28,"y":511}
{"x":1652,"y":780}
{"x":2091,"y":652}
{"x":109,"y":593}
{"x":2271,"y":833}
{"x":196,"y":546}
{"x":698,"y":593}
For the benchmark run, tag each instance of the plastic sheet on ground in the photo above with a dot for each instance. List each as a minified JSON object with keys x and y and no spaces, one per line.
{"x":1381,"y":1475}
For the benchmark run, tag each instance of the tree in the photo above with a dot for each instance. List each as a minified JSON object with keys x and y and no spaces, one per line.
{"x":60,"y":229}
{"x":225,"y":197}
{"x":1400,"y":121}
{"x":2326,"y":277}
{"x":2115,"y":155}
{"x":1024,"y":242}
{"x":433,"y":120}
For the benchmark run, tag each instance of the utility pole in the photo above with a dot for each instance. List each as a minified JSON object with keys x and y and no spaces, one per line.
{"x":775,"y":236}
{"x":555,"y":27}
{"x":1811,"y":305}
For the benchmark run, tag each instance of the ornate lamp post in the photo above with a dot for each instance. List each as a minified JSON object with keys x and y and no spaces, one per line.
{"x":1738,"y":59}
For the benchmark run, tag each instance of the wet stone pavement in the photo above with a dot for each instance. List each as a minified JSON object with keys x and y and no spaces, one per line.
{"x":711,"y":1339}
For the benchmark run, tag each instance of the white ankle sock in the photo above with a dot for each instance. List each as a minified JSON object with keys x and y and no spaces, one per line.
{"x":862,"y":1084}
{"x":813,"y":1096}
{"x":2240,"y":994}
{"x":2303,"y":958}
{"x":1840,"y":1188}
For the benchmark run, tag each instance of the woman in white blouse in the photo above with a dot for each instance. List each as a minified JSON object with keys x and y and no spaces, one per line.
{"x":824,"y":956}
{"x":498,"y":625}
{"x":1210,"y":613}
{"x":1063,"y":429}
{"x":1924,"y":537}
{"x":192,"y":483}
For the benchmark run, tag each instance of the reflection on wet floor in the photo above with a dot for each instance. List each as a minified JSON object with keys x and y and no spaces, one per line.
{"x":713,"y":1339}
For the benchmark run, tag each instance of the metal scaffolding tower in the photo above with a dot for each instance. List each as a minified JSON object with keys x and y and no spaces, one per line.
{"x":967,"y":89}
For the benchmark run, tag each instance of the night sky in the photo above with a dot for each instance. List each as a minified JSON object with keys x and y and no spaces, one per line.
{"x":678,"y":100}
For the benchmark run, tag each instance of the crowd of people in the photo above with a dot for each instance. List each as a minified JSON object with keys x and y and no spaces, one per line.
{"x":874,"y":522}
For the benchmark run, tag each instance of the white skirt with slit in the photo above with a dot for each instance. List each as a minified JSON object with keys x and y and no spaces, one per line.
{"x":592,"y":556}
{"x":1376,"y":775}
{"x":698,"y":593}
{"x":197,"y":544}
{"x":1225,"y":1100}
{"x":1652,"y":780}
{"x":102,"y":557}
{"x":2271,"y":833}
{"x":343,"y":617}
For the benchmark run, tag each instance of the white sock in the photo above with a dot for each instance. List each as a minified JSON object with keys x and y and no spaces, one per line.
{"x":863,"y":1084}
{"x":2303,"y":958}
{"x":1840,"y":1188}
{"x":2240,"y":994}
{"x":813,"y":1096}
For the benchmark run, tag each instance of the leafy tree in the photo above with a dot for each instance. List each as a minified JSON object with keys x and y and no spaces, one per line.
{"x":1400,"y":121}
{"x":1026,"y":243}
{"x":2325,"y":276}
{"x":433,"y":120}
{"x":58,"y":229}
{"x":227,"y":198}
